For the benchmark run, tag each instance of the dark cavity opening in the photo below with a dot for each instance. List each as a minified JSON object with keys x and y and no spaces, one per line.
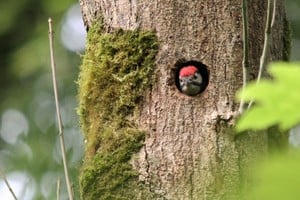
{"x":202,"y":69}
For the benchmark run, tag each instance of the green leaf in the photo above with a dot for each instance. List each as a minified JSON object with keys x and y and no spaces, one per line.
{"x":277,"y":101}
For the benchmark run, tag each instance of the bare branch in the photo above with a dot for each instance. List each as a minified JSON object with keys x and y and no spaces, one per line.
{"x":60,"y":126}
{"x":271,"y":13}
{"x":274,"y":14}
{"x":7,"y":184}
{"x":245,"y":51}
{"x":57,"y":189}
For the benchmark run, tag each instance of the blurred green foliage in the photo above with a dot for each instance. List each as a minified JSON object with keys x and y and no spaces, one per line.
{"x":277,"y":178}
{"x":26,"y":87}
{"x":23,"y":36}
{"x":277,"y":101}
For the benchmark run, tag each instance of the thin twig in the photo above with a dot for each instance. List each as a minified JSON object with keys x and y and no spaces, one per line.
{"x":263,"y":58}
{"x":60,"y":126}
{"x":245,"y":51}
{"x":271,"y":13}
{"x":274,"y":14}
{"x":57,"y":189}
{"x":7,"y":184}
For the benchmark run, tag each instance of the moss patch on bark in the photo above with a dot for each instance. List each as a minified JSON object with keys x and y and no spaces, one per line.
{"x":117,"y":68}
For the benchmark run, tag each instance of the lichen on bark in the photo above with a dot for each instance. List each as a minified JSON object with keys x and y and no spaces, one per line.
{"x":117,"y":68}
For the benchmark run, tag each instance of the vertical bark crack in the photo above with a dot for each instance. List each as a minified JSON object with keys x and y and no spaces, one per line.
{"x":147,"y":180}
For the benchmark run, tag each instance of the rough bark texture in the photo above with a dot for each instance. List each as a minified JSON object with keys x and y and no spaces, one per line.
{"x":190,"y":151}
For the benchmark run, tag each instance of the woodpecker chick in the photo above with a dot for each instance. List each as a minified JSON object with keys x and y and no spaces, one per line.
{"x":190,"y":80}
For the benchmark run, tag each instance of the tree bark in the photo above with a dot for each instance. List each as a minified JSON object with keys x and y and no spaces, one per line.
{"x":190,"y":150}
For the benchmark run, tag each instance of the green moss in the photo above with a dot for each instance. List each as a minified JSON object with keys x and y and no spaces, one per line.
{"x":117,"y":68}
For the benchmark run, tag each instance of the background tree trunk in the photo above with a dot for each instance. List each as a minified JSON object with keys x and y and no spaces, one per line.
{"x":190,"y":151}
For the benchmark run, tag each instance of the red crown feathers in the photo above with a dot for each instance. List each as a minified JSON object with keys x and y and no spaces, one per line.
{"x":187,"y":71}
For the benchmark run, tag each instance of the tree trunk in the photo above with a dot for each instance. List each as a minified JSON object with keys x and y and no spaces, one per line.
{"x":190,"y":150}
